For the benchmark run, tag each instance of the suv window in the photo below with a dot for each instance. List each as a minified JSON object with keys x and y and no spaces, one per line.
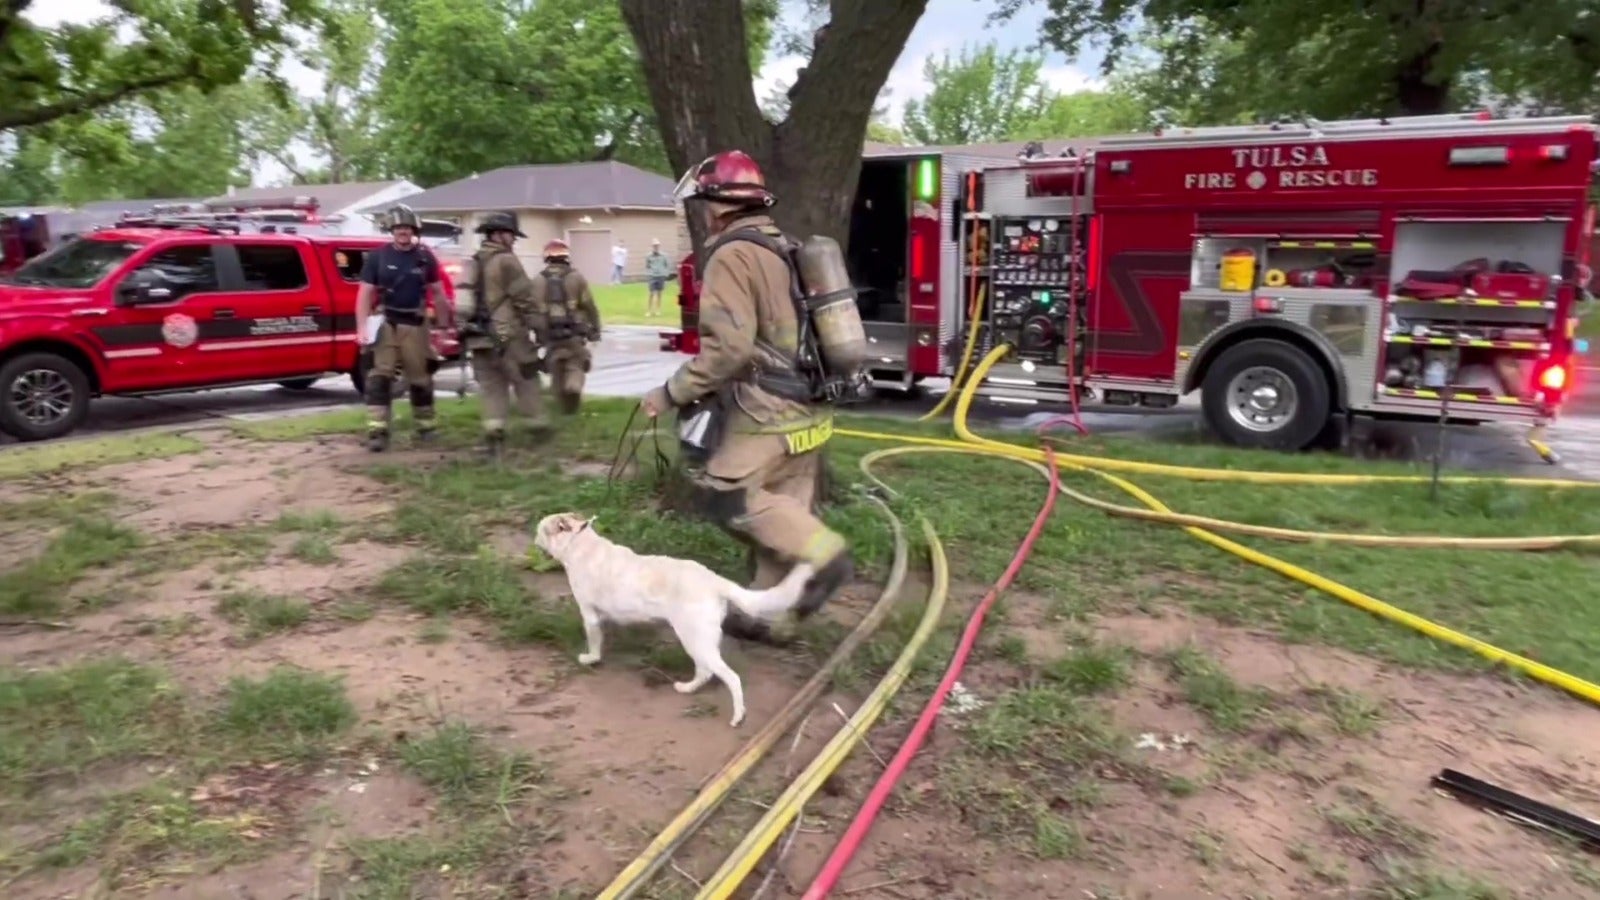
{"x":186,"y":269}
{"x":78,"y":264}
{"x":271,"y":267}
{"x":350,"y":260}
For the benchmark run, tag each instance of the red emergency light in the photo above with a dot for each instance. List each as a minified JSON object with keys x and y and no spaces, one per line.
{"x":1553,"y":378}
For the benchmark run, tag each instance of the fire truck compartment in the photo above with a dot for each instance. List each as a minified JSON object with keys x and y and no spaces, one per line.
{"x":879,"y":227}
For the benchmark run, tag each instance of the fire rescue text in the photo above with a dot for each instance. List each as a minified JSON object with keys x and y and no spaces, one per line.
{"x":1297,"y":166}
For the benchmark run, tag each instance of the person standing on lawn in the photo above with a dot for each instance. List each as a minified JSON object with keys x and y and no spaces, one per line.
{"x":658,"y":268}
{"x":619,"y":261}
{"x":574,"y":322}
{"x":396,"y":281}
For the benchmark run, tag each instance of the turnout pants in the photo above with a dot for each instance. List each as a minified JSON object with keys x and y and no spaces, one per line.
{"x":500,"y":381}
{"x":765,"y":496}
{"x":401,"y":351}
{"x":568,"y":365}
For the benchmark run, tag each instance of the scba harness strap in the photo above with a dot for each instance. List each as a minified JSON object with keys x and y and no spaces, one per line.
{"x":562,"y":324}
{"x":801,"y":380}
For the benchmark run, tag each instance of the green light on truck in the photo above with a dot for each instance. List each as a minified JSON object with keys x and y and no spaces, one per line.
{"x":927,"y":179}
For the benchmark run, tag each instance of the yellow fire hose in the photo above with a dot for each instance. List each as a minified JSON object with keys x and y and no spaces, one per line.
{"x":1159,"y":512}
{"x":966,"y":355}
{"x":717,"y":788}
{"x":737,"y":866}
{"x":760,"y":838}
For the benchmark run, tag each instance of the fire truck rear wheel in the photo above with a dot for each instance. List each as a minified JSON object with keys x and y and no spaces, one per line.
{"x":1268,"y":394}
{"x":42,"y":396}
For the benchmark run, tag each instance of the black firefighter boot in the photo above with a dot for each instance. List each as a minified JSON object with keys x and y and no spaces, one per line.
{"x":377,"y":439}
{"x":826,"y":582}
{"x":737,"y":624}
{"x":494,"y":445}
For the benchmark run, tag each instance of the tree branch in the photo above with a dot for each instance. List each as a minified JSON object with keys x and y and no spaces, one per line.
{"x":609,"y":151}
{"x":85,"y":101}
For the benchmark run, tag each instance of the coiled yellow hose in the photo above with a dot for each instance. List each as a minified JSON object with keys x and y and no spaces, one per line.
{"x":1156,"y":511}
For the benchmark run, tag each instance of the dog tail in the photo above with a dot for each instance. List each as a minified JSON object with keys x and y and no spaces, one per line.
{"x":775,"y":600}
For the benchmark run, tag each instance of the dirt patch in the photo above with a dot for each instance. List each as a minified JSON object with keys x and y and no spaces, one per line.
{"x":239,"y":483}
{"x":1325,"y":791}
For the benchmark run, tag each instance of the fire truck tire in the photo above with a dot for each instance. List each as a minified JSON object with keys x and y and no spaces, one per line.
{"x":42,"y":396}
{"x":299,"y":384}
{"x":1268,"y":394}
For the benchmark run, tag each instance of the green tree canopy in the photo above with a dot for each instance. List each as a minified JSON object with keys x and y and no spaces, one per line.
{"x":978,"y":96}
{"x":1332,"y":59}
{"x":73,"y":69}
{"x":471,"y":85}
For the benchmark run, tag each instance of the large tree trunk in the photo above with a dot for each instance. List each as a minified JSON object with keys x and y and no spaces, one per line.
{"x":698,"y":74}
{"x":1418,"y":91}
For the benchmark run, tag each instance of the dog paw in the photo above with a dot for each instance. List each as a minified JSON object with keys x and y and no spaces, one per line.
{"x":684,"y":687}
{"x":738,"y":717}
{"x":588,"y":659}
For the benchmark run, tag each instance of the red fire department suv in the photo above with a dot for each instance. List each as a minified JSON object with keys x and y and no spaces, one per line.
{"x":153,"y":310}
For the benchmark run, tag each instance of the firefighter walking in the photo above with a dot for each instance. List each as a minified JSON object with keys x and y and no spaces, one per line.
{"x":758,"y":469}
{"x":396,"y":282}
{"x":562,"y":294}
{"x":500,"y":317}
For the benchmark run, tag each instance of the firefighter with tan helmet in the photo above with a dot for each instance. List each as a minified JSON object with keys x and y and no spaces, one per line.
{"x":499,"y":314}
{"x":400,"y":276}
{"x":574,"y":322}
{"x":780,"y":340}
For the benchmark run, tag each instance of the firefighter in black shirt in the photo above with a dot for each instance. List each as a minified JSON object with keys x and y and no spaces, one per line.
{"x":399,"y":277}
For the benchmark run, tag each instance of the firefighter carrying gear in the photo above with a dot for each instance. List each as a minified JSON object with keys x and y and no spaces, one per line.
{"x":499,"y":332}
{"x":759,"y":428}
{"x":563,"y":295}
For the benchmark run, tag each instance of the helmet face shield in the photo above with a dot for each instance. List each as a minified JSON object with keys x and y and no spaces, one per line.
{"x":689,"y":186}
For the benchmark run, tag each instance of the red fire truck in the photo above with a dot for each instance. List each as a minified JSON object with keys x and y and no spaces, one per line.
{"x":902,"y":251}
{"x":1297,"y":275}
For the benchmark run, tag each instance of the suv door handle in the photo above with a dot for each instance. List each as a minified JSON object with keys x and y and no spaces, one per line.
{"x":223,"y":314}
{"x":313,"y":309}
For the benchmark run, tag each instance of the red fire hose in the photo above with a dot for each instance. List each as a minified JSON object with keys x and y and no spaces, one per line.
{"x":845,"y":850}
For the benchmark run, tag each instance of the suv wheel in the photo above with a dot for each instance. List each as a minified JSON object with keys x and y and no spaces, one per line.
{"x":42,"y":396}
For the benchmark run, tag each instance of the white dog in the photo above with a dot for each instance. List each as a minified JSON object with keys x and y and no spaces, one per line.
{"x":612,"y":583}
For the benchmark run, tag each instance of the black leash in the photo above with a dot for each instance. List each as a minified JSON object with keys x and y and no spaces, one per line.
{"x":620,"y":460}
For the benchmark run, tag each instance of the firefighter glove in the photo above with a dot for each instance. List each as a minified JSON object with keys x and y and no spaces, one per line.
{"x":656,"y":402}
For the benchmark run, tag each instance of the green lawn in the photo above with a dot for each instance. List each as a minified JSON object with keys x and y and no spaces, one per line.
{"x":624,"y":304}
{"x":1530,"y":603}
{"x":1020,"y":772}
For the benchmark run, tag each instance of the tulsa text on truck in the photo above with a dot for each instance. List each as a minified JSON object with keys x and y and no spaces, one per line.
{"x":179,"y":300}
{"x":1297,"y":275}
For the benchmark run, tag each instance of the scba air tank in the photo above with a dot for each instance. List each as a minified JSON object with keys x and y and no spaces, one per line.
{"x":467,"y":290}
{"x":831,"y":303}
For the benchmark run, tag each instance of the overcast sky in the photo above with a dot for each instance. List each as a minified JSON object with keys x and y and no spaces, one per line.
{"x":943,"y":28}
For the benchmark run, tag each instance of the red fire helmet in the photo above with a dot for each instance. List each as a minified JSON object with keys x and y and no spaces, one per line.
{"x":556,"y":248}
{"x":728,"y":177}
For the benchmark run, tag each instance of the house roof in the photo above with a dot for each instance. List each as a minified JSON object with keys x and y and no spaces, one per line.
{"x":585,"y":185}
{"x":329,"y":197}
